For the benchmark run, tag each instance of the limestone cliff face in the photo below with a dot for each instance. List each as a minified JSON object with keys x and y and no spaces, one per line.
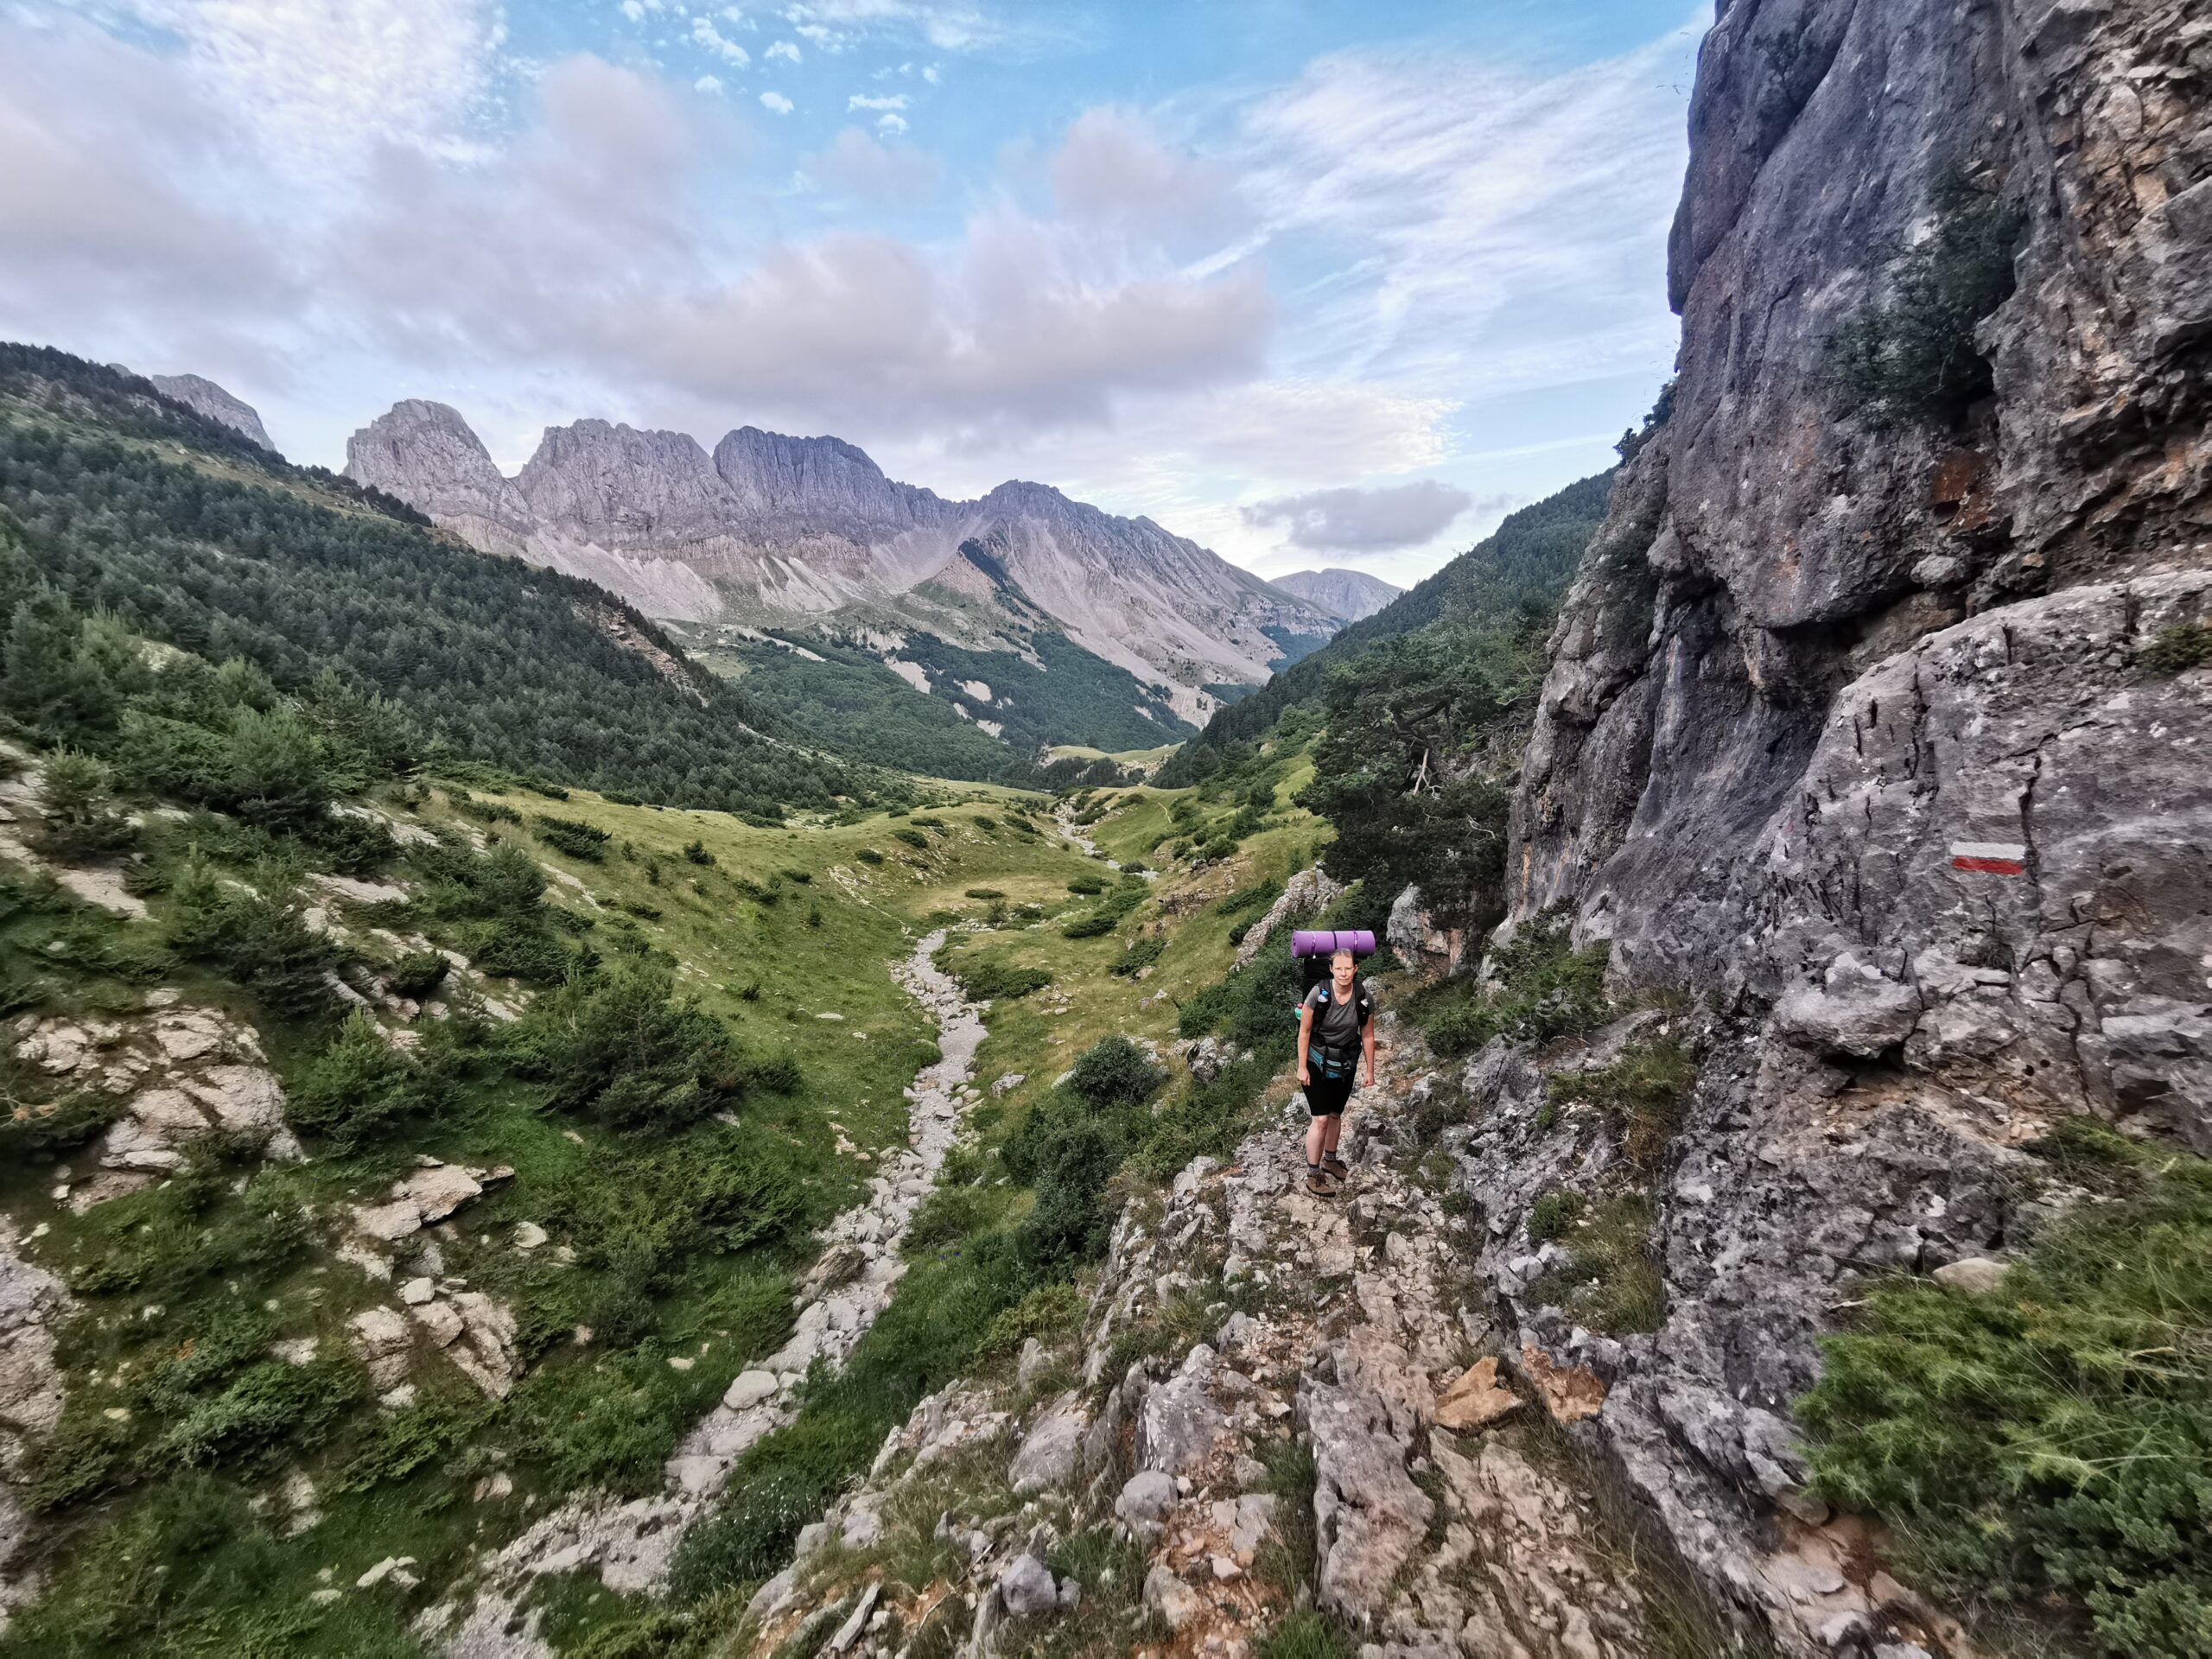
{"x":1865,"y":730}
{"x":1774,"y":689}
{"x":203,"y":395}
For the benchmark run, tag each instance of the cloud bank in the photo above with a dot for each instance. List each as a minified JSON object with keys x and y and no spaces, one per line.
{"x":1365,"y":521}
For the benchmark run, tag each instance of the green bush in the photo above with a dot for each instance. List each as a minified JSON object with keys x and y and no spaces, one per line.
{"x":695,"y":851}
{"x":77,"y":816}
{"x":1544,"y":989}
{"x":913,"y":838}
{"x":257,"y":938}
{"x":992,"y":978}
{"x":2178,"y":649}
{"x":417,"y":973}
{"x":359,"y":1086}
{"x":868,"y":856}
{"x":57,"y":1125}
{"x":1087,"y":886}
{"x":1551,"y":1215}
{"x":574,"y":837}
{"x":1114,"y":1072}
{"x":2049,"y":1443}
{"x":1088,"y":927}
{"x":610,"y":1423}
{"x":270,"y":1409}
{"x":985,"y":892}
{"x":1140,"y":954}
{"x":618,"y":1044}
{"x":1913,"y":358}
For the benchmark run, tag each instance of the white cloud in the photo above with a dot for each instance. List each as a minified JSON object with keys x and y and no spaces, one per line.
{"x":319,"y":86}
{"x":858,"y":165}
{"x":1510,"y":221}
{"x":891,"y":123}
{"x":706,"y":36}
{"x":776,"y":102}
{"x":876,"y":101}
{"x":930,"y":74}
{"x":1365,"y":521}
{"x":633,"y":10}
{"x":783,"y":49}
{"x":709,"y":84}
{"x":1112,"y":166}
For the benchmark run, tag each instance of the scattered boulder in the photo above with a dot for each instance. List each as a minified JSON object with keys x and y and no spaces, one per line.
{"x":1028,"y":1588}
{"x":1053,"y":1449}
{"x":1173,"y":1600}
{"x":1976,"y":1276}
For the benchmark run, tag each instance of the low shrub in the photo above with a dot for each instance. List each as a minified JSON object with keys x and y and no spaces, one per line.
{"x":868,"y":856}
{"x":2178,"y":649}
{"x":79,"y":819}
{"x":1114,"y":1072}
{"x":1551,"y":1215}
{"x":270,"y":1409}
{"x":417,"y":973}
{"x":985,"y":892}
{"x":1140,"y":954}
{"x":618,"y":1044}
{"x":258,"y":939}
{"x":913,"y":838}
{"x":358,"y":1087}
{"x":1913,"y":356}
{"x":992,"y":978}
{"x":573,"y":837}
{"x":696,"y":852}
{"x":2044,"y":1447}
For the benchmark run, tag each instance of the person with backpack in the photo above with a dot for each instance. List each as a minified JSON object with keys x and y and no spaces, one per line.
{"x":1335,"y":1025}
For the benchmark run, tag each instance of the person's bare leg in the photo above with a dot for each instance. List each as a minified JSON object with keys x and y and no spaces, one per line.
{"x":1332,"y":1129}
{"x":1317,"y":1139}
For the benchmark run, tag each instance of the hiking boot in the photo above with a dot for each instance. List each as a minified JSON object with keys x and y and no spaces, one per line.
{"x":1319,"y":1184}
{"x":1335,"y":1167}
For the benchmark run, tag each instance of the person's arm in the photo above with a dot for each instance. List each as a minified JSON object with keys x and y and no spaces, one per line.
{"x":1304,"y":1037}
{"x":1367,"y":1041}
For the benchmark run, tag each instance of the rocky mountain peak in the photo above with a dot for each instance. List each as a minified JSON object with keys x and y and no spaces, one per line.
{"x":1348,"y":595}
{"x":427,"y":455}
{"x":202,"y":395}
{"x":768,"y":472}
{"x":621,"y":486}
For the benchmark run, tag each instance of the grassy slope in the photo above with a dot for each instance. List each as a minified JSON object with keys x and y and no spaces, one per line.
{"x":854,"y":1069}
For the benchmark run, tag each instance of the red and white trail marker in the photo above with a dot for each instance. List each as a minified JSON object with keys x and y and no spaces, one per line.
{"x":1990,"y":857}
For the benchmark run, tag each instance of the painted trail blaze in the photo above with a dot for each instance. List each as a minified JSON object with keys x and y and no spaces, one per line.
{"x":1993,"y":857}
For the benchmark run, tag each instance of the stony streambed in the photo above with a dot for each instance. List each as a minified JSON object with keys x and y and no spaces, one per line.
{"x":631,"y":1545}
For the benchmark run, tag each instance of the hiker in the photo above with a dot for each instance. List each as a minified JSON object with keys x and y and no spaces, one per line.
{"x":1335,"y":1023}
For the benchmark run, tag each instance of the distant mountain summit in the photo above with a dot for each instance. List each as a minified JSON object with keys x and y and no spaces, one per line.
{"x":1348,"y":595}
{"x":204,"y":397}
{"x":774,"y":531}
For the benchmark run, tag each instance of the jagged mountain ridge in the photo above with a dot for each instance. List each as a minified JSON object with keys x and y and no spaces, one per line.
{"x":769,"y":527}
{"x":1348,"y":595}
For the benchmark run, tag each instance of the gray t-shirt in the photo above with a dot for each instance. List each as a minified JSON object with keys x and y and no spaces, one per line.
{"x":1336,"y":1022}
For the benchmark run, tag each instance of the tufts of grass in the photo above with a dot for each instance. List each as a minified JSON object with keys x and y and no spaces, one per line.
{"x":1644,"y":1095}
{"x":1610,"y":1282}
{"x":2048,"y":1445}
{"x":1545,"y":989}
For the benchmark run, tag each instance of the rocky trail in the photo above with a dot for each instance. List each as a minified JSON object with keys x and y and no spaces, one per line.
{"x":1279,"y":1404}
{"x":630,"y":1545}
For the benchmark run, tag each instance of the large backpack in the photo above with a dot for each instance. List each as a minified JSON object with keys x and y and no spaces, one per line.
{"x":1334,"y":1063}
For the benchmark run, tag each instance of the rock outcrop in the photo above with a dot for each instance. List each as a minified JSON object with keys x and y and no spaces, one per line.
{"x":203,"y":397}
{"x":32,"y":1304}
{"x":769,"y":527}
{"x":1880,"y":734}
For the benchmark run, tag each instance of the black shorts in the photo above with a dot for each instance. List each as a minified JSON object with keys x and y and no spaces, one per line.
{"x":1327,"y":1097}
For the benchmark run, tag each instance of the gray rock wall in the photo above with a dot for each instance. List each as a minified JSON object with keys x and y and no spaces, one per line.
{"x":1771,"y":560}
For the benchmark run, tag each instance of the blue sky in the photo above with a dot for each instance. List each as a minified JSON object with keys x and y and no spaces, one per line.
{"x":1312,"y":284}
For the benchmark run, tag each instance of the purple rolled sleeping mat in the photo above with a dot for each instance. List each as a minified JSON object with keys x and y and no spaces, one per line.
{"x":1320,"y":942}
